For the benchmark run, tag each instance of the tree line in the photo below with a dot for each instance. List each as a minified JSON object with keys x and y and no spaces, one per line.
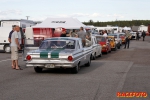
{"x":118,"y":23}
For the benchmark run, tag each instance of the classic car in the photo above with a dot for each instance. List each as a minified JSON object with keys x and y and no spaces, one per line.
{"x":97,"y":48}
{"x":112,"y":42}
{"x":133,"y":35}
{"x":103,"y":41}
{"x":122,"y":36}
{"x":117,"y":39}
{"x":60,"y":52}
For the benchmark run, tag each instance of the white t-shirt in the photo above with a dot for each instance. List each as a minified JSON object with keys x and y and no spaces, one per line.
{"x":13,"y":37}
{"x":105,"y":34}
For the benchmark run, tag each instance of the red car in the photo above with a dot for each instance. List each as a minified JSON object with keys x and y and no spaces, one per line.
{"x":103,"y":41}
{"x":123,"y":38}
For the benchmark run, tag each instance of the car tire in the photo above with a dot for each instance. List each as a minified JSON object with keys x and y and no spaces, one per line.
{"x":119,"y":47}
{"x":89,"y":63}
{"x":94,"y":57}
{"x":75,"y":70}
{"x":38,"y":70}
{"x":110,"y":51}
{"x":7,"y":49}
{"x":100,"y":55}
{"x":115,"y":48}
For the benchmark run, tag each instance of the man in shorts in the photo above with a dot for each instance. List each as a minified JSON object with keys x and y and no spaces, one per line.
{"x":15,"y":45}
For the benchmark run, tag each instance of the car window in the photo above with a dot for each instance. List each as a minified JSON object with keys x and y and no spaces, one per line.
{"x":58,"y":44}
{"x":100,"y":39}
{"x":121,"y":35}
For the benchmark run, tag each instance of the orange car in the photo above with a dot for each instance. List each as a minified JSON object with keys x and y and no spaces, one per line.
{"x":112,"y":42}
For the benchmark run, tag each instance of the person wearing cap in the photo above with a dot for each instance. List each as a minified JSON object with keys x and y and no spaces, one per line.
{"x":81,"y":34}
{"x":13,"y":29}
{"x":63,"y":33}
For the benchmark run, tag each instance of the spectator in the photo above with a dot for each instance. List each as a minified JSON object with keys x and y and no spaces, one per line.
{"x":105,"y":34}
{"x":137,"y":35}
{"x":128,"y":37}
{"x":63,"y":33}
{"x":15,"y":45}
{"x":81,"y":34}
{"x":9,"y":37}
{"x":143,"y":35}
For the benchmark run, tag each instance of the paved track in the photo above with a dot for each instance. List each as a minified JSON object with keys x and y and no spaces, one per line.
{"x":124,"y":70}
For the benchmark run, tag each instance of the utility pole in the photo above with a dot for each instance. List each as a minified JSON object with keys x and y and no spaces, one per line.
{"x":27,"y":17}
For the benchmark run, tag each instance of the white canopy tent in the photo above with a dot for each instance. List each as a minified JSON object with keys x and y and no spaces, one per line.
{"x":68,"y":23}
{"x":126,"y":28}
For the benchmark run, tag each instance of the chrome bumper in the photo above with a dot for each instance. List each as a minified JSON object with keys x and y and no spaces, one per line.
{"x":55,"y":65}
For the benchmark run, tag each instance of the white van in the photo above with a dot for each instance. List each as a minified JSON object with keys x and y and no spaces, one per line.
{"x":4,"y":43}
{"x":23,"y":23}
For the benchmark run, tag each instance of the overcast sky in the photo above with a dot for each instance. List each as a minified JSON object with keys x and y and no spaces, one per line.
{"x":84,"y":10}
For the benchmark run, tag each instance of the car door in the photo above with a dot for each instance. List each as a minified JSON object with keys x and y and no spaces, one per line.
{"x":81,"y":53}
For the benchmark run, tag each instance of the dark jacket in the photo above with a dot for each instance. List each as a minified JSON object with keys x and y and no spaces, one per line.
{"x":63,"y":35}
{"x":143,"y":34}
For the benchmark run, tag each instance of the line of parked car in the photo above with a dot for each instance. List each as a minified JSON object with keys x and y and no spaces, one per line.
{"x":111,"y":42}
{"x":69,"y":52}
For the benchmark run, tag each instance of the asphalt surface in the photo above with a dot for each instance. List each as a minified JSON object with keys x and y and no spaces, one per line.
{"x":124,"y":70}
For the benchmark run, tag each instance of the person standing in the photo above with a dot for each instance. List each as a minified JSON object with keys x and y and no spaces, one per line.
{"x":9,"y":39}
{"x":137,"y":35}
{"x":105,"y":34}
{"x":81,"y":34}
{"x":143,"y":35}
{"x":13,"y":29}
{"x":63,"y":33}
{"x":128,"y":37}
{"x":15,"y":45}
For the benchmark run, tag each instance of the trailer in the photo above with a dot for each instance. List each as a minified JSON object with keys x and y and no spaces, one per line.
{"x":4,"y":43}
{"x":21,"y":23}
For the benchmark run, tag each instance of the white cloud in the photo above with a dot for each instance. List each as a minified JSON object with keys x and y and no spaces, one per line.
{"x":93,"y":15}
{"x":7,"y":12}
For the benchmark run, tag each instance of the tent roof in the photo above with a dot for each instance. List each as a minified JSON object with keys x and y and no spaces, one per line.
{"x":68,"y":23}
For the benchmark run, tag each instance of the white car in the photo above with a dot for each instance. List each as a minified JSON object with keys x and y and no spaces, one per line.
{"x":134,"y":35}
{"x":97,"y":48}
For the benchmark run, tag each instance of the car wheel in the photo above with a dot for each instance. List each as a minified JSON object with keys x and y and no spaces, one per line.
{"x":89,"y":63}
{"x":100,"y":55}
{"x":119,"y":46}
{"x":38,"y":70}
{"x":110,"y":51}
{"x":94,"y":57}
{"x":75,"y":70}
{"x":115,"y":48}
{"x":7,"y":49}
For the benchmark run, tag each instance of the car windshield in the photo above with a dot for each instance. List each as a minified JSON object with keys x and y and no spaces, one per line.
{"x":58,"y":44}
{"x":100,"y":39}
{"x":121,"y":35}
